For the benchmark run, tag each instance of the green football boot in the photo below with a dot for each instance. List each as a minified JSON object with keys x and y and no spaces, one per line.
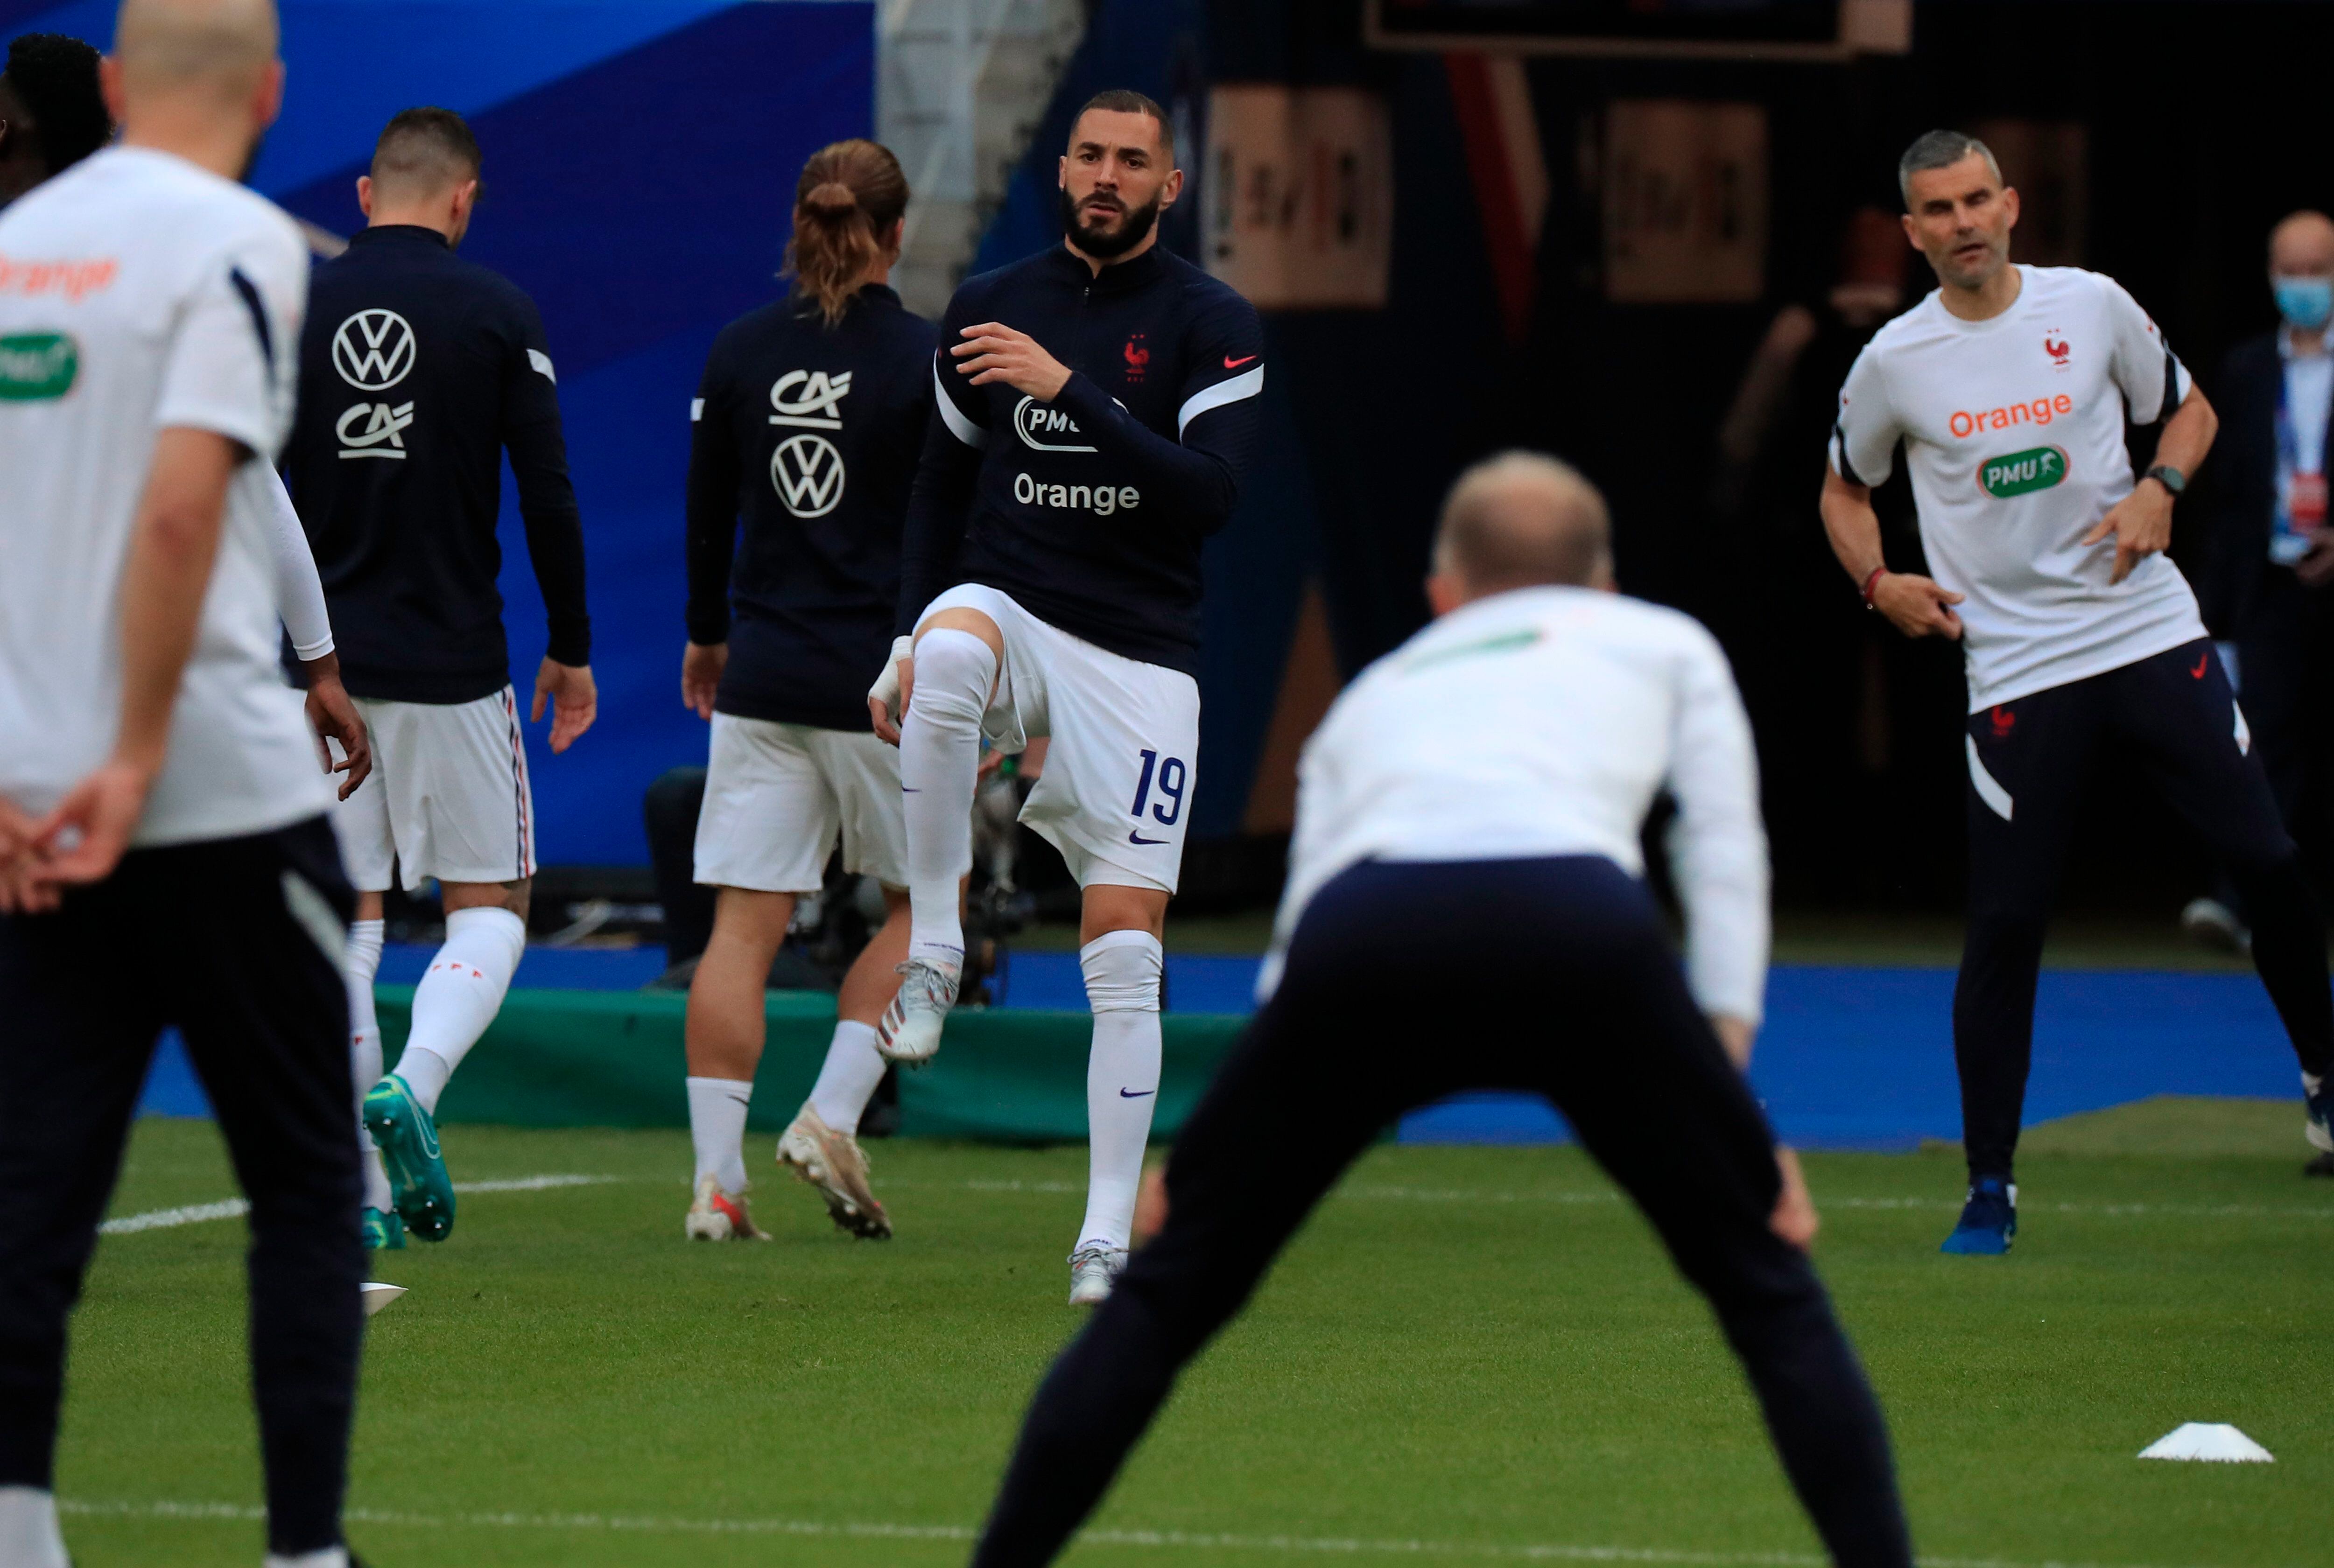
{"x":383,"y":1231}
{"x":408,"y":1139}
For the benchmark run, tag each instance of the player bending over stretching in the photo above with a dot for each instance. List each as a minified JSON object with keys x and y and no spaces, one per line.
{"x":418,"y":369}
{"x":1096,"y":404}
{"x":808,"y":425}
{"x":2010,"y":388}
{"x":1476,"y":795}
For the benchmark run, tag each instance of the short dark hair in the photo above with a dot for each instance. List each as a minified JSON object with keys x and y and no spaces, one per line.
{"x":1126,"y":100}
{"x":1940,"y":150}
{"x":426,"y":149}
{"x":55,"y":77}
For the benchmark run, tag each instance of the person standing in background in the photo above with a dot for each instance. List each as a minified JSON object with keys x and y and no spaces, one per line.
{"x":2268,"y":559}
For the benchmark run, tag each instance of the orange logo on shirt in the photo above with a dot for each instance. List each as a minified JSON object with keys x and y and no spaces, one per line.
{"x":2040,"y":412}
{"x":72,"y":279}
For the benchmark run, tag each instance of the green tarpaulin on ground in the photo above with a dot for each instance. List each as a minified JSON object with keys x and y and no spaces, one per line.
{"x":615,"y":1059}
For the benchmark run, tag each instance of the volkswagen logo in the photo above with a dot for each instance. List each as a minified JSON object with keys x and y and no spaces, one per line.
{"x":808,"y":473}
{"x":374,"y":350}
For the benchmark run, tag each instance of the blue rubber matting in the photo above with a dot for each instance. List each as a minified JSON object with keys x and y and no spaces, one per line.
{"x":1850,"y":1057}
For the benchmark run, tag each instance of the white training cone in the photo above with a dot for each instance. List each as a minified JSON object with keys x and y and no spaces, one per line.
{"x":2213,"y":1440}
{"x":377,"y":1295}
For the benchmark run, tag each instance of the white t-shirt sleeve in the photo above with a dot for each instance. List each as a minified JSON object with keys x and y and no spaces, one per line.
{"x":2152,"y":379}
{"x":1717,"y":844}
{"x":233,"y":351}
{"x":1863,"y":437}
{"x":299,"y":593}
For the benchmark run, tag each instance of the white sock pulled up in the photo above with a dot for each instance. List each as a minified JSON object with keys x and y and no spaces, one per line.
{"x":939,"y":754}
{"x":29,"y":1536}
{"x":717,"y":1126}
{"x":459,"y":997}
{"x":847,"y":1080}
{"x":1122,"y":970}
{"x":363,"y":962}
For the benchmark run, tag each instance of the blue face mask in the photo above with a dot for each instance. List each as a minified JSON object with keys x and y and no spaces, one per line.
{"x":2305,"y":303}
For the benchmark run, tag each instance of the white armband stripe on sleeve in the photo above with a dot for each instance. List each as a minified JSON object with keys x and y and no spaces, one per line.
{"x":1247,"y":384}
{"x":962,"y":428}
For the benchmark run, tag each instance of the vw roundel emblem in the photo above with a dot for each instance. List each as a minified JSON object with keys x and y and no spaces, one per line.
{"x":808,"y":473}
{"x":374,"y":350}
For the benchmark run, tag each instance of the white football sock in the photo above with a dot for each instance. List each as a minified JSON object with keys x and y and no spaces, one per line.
{"x":325,"y":1557}
{"x":29,"y":1537}
{"x":717,"y":1126}
{"x":459,"y":997}
{"x":364,"y":1048}
{"x":940,"y":753}
{"x":847,"y":1080}
{"x":1122,"y":970}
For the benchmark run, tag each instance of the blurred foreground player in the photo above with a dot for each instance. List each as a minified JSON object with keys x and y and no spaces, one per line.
{"x":1475,"y":796}
{"x":151,"y":760}
{"x":1097,"y":404}
{"x":417,"y":371}
{"x":806,"y":425}
{"x":2010,"y":388}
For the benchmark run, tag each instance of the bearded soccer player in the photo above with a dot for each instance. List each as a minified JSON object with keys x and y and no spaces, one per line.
{"x":1096,"y":406}
{"x":2009,"y":387}
{"x":151,"y":760}
{"x":419,"y":370}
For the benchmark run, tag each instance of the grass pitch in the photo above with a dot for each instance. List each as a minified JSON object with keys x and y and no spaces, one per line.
{"x":1470,"y":1353}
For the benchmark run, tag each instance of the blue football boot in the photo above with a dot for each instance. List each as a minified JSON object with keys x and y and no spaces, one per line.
{"x":1989,"y":1219}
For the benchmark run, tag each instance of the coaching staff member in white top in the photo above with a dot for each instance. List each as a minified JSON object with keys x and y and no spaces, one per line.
{"x":417,"y":371}
{"x":1475,"y":796}
{"x":2010,"y":388}
{"x":152,"y":762}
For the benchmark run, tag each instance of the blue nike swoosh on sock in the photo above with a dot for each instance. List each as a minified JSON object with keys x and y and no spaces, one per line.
{"x":1135,"y":1093}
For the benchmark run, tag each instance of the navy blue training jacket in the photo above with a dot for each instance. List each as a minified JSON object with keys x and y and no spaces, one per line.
{"x":811,"y":434}
{"x":1091,"y":510}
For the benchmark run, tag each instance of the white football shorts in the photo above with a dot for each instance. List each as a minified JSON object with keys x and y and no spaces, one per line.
{"x":776,"y":795}
{"x":1116,"y":789}
{"x":448,"y":796}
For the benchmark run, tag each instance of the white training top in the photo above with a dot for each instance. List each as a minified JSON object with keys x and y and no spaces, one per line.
{"x":299,"y":591}
{"x":1543,"y":722}
{"x":139,"y":292}
{"x":2013,"y":428}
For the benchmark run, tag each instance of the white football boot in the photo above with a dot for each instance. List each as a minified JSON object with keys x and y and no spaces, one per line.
{"x":910,"y":1030}
{"x":833,"y":1163}
{"x":716,"y":1216}
{"x":1093,"y":1273}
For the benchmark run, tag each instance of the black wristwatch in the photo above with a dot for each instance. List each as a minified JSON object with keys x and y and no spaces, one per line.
{"x":2171,"y":478}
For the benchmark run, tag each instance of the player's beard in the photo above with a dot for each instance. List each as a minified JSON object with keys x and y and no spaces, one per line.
{"x":1105,"y":245}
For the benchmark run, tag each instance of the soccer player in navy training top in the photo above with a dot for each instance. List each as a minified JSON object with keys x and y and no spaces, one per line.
{"x":417,"y":371}
{"x":806,"y":426}
{"x":1097,"y":403}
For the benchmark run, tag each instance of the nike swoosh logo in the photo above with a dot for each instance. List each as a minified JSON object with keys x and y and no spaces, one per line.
{"x":1135,"y":1093}
{"x":2198,"y":672}
{"x":1139,"y":839}
{"x":1233,"y":364}
{"x":906,"y":791}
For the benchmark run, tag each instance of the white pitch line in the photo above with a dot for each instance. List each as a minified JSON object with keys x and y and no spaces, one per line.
{"x":1543,"y":1552}
{"x":236,"y":1207}
{"x":1939,"y":1205}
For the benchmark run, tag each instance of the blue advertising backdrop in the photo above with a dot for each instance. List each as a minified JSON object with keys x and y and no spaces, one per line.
{"x":641,"y":158}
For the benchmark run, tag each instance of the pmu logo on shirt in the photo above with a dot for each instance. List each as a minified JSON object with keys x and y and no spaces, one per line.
{"x":37,"y":367}
{"x":1041,"y":428}
{"x":2022,"y":472}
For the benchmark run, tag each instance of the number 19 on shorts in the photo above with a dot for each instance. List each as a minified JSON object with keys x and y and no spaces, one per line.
{"x":1164,"y":778}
